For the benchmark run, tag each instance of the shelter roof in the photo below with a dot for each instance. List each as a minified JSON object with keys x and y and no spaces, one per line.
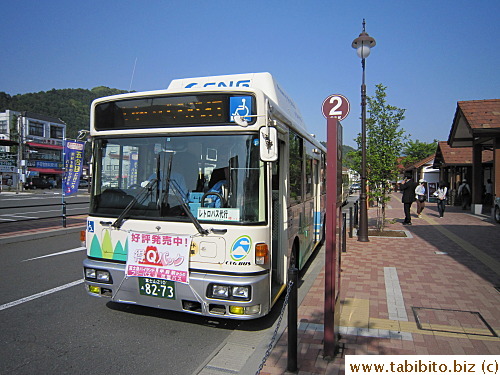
{"x":421,"y":163}
{"x":478,"y":119}
{"x":457,"y":156}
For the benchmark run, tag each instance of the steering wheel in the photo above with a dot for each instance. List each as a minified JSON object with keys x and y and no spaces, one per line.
{"x":223,"y":201}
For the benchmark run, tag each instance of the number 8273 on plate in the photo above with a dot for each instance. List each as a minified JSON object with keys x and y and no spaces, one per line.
{"x":156,"y":287}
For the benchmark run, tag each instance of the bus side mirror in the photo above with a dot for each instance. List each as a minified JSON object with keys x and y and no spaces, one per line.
{"x":268,"y":144}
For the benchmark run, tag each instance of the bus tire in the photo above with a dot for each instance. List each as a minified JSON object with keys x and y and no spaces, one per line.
{"x":323,"y":232}
{"x":294,"y":255}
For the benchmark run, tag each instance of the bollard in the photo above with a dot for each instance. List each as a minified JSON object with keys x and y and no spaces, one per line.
{"x":293,"y":276}
{"x":64,"y":214}
{"x":344,"y":232}
{"x":350,"y":222}
{"x":356,"y":214}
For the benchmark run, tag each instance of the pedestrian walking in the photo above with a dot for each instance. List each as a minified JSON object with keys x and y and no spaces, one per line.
{"x":420,"y":196}
{"x":408,"y":188}
{"x":464,"y":193}
{"x":440,"y":193}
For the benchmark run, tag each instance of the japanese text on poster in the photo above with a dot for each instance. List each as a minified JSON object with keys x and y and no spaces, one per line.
{"x":159,"y":256}
{"x":73,"y":164}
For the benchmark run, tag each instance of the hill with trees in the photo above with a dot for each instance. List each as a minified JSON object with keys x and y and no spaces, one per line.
{"x":70,"y":105}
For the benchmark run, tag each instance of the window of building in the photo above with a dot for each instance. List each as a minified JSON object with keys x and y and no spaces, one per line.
{"x":4,"y":127}
{"x":35,"y":128}
{"x":56,"y":132}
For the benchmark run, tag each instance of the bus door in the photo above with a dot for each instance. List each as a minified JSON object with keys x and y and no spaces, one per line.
{"x":279,"y":244}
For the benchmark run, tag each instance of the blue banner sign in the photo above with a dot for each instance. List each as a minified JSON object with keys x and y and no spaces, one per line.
{"x":73,"y":163}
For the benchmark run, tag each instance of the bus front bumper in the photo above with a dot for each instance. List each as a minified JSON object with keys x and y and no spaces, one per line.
{"x":107,"y":279}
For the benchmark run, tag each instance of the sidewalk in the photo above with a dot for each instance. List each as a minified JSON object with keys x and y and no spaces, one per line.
{"x":435,"y":292}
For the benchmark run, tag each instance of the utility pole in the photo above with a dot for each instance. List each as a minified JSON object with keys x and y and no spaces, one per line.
{"x":20,"y":146}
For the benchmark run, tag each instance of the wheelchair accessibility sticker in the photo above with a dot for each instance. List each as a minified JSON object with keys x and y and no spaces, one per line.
{"x":241,"y":247}
{"x":240,"y":106}
{"x":90,"y":226}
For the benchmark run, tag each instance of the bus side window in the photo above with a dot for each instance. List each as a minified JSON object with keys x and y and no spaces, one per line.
{"x":295,"y":165}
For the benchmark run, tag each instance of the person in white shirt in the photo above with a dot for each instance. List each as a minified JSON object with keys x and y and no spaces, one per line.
{"x":420,"y":196}
{"x":440,"y":193}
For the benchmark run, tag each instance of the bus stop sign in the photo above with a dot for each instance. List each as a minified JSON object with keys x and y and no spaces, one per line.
{"x":336,"y":106}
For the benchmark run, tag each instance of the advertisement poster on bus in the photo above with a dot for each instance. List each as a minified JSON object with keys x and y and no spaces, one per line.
{"x":73,"y":164}
{"x":158,"y":256}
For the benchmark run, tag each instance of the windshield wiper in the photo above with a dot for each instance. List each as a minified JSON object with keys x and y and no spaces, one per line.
{"x":142,"y":194}
{"x":194,"y":220}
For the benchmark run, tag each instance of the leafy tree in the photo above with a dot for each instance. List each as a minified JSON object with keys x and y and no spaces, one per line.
{"x":70,"y":105}
{"x":384,"y":143}
{"x":346,"y":154}
{"x":415,"y":151}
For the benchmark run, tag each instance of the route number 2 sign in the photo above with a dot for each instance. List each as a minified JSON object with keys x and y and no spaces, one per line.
{"x":336,"y":106}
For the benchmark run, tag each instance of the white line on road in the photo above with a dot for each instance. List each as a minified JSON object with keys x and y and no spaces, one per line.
{"x":19,"y":217}
{"x":59,"y":253}
{"x":38,"y":295}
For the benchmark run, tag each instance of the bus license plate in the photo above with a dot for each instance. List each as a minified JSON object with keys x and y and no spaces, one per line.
{"x":156,"y":287}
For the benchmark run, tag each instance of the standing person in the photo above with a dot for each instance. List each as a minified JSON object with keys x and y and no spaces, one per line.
{"x":420,"y":196}
{"x":464,"y":193}
{"x":408,"y":189}
{"x":488,"y":192}
{"x":440,"y":193}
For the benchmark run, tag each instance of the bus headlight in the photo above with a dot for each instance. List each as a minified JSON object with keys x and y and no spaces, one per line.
{"x":100,"y":276}
{"x":90,"y":273}
{"x":229,"y":292}
{"x":103,"y":276}
{"x":220,"y":291}
{"x":240,"y":292}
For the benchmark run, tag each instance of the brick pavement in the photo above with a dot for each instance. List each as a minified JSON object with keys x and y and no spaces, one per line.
{"x":445,"y":273}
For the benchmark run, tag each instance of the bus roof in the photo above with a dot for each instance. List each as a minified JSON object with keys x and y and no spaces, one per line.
{"x":262,"y":81}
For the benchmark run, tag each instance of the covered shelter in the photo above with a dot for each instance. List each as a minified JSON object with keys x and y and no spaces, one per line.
{"x":455,"y":164}
{"x":476,"y":125}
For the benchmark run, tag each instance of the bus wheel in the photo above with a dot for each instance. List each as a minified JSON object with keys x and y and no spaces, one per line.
{"x":294,"y":256}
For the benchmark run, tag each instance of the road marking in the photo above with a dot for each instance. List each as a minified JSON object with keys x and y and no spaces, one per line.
{"x":16,"y":217}
{"x":59,"y":253}
{"x":38,"y":295}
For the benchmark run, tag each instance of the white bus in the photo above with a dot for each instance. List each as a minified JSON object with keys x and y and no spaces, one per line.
{"x":202,"y":197}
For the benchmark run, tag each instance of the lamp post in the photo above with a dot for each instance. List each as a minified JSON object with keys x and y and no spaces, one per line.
{"x":362,"y":44}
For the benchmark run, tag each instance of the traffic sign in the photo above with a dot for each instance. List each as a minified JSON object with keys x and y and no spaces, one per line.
{"x":336,"y":106}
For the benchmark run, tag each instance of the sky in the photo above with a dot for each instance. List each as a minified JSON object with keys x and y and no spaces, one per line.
{"x":429,"y":53}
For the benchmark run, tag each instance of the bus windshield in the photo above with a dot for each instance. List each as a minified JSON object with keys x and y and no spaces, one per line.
{"x":220,"y":178}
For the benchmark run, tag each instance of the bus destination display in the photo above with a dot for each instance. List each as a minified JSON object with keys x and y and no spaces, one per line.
{"x":171,"y":111}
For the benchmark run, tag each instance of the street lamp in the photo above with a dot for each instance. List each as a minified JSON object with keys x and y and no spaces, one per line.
{"x":363,"y":44}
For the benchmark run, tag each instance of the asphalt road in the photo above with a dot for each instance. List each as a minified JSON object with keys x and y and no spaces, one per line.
{"x":65,"y":331}
{"x":48,"y":323}
{"x":40,"y":204}
{"x":33,"y":210}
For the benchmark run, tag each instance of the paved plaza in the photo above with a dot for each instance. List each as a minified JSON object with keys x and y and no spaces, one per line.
{"x":437,"y":291}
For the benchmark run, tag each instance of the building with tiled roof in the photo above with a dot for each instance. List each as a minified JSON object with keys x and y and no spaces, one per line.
{"x":473,"y":119}
{"x":476,"y":125}
{"x":424,"y":169}
{"x":456,"y":163}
